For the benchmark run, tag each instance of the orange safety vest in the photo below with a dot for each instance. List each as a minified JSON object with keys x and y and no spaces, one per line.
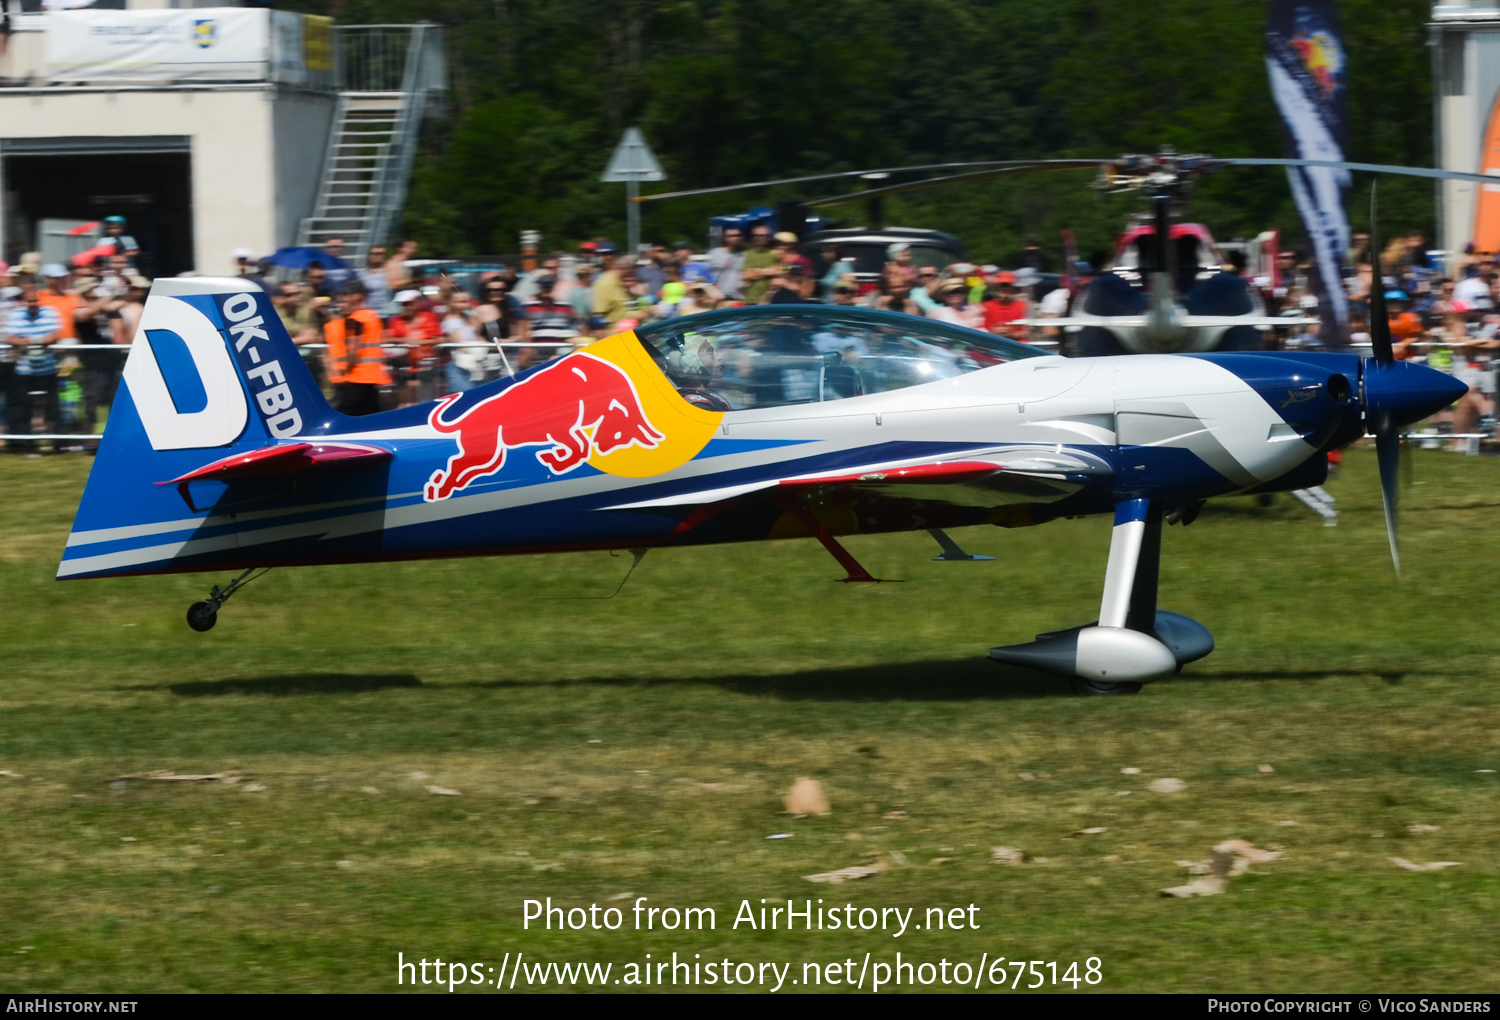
{"x":366,"y":362}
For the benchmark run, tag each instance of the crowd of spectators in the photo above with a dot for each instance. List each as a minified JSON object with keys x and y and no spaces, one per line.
{"x":48,"y":308}
{"x":402,"y":330}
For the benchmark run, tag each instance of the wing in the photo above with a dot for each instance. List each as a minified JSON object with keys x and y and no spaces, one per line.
{"x":984,"y":480}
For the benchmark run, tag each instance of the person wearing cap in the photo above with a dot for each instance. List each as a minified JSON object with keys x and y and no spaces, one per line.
{"x":1004,"y":307}
{"x":124,"y":244}
{"x":899,"y":268}
{"x":1406,"y":325}
{"x":552,"y":321}
{"x":30,"y":331}
{"x":70,"y":307}
{"x":419,"y":329}
{"x":956,"y":309}
{"x":355,"y":358}
{"x":786,"y":250}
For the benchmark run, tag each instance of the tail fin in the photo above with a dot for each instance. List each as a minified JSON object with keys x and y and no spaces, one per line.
{"x":211,"y":373}
{"x":208,"y":352}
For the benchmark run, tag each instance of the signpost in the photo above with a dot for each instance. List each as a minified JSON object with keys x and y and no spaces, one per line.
{"x":632,"y":163}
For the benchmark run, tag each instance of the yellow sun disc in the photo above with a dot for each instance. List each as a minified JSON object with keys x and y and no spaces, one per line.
{"x":687,"y":428}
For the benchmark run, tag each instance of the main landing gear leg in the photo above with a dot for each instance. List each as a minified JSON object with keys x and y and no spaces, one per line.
{"x":202,"y":616}
{"x":1133,"y":642}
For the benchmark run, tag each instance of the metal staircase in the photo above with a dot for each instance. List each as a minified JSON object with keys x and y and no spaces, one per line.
{"x":392,"y":76}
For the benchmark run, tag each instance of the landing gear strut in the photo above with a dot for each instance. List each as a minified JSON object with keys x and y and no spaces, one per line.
{"x":202,"y":616}
{"x":1133,"y":642}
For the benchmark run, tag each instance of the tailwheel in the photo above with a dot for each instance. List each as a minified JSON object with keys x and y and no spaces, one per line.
{"x":201,"y":616}
{"x":1096,"y":688}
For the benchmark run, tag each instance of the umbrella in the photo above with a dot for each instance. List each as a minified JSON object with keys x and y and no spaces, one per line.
{"x":302,"y":257}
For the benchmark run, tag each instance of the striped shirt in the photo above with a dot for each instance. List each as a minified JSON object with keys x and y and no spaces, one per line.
{"x":36,"y":359}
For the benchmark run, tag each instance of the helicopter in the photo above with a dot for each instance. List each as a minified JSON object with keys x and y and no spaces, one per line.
{"x":1153,"y":298}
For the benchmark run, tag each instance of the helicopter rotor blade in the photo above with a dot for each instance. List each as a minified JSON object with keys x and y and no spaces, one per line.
{"x":989,"y":168}
{"x":1003,"y":164}
{"x":933,"y":182}
{"x":1379,"y":168}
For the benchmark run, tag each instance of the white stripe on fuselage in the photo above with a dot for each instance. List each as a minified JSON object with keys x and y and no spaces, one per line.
{"x":1020,"y":403}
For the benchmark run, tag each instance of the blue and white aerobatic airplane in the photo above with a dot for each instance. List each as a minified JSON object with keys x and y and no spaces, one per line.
{"x":775,"y":421}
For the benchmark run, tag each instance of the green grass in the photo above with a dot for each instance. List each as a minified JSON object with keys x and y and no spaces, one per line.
{"x":710,"y":684}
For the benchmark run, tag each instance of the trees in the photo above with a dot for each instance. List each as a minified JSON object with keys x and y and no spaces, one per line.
{"x":732,"y":90}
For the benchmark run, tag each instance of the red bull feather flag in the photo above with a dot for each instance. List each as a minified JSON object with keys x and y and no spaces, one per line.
{"x":1305,"y":59}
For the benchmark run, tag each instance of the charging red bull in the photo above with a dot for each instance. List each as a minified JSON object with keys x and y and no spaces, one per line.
{"x":580,"y":406}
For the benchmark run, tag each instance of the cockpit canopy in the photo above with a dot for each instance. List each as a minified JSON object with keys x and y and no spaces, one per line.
{"x":761,"y":356}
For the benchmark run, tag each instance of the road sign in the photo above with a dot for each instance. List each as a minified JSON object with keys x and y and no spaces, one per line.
{"x":633,"y":160}
{"x":632,"y":163}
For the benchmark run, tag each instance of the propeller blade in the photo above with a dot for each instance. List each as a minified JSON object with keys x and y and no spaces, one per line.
{"x":1377,"y":168}
{"x":1004,"y":164}
{"x":1388,"y":452}
{"x":1379,"y":416}
{"x":1380,"y":325}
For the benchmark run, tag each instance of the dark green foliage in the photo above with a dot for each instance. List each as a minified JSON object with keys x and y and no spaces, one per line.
{"x":730,"y":91}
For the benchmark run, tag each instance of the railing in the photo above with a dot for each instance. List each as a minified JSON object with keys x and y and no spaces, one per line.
{"x":431,"y":378}
{"x":377,"y":58}
{"x":423,"y":59}
{"x":368,"y":58}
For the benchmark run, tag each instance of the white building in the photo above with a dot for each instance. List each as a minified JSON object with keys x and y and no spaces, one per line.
{"x":210,"y":129}
{"x":1465,"y":40}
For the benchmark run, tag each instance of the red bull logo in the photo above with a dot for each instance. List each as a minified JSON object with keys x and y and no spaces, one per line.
{"x":1321,"y":56}
{"x":579,"y":407}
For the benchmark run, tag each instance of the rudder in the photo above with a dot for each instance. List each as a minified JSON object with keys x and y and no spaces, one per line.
{"x":211,"y":372}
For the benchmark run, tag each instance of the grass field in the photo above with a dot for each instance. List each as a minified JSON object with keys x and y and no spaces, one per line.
{"x":641,"y":746}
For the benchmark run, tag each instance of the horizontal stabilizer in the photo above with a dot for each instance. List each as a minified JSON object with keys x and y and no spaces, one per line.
{"x":282,"y":459}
